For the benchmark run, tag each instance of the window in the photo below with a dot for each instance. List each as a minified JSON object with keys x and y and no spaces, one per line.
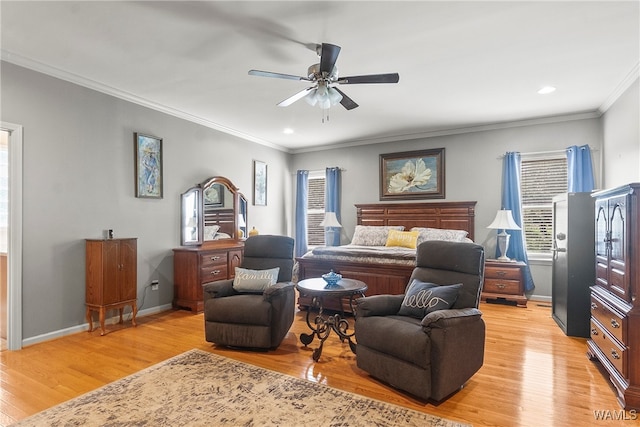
{"x":541,"y":179}
{"x":315,"y":208}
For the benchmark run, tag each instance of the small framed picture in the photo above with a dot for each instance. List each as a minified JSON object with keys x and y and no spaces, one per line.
{"x":412,"y":175}
{"x":259,"y":183}
{"x":148,"y":166}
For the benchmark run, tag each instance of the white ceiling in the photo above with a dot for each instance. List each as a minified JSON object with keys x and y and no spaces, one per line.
{"x":461,"y":64}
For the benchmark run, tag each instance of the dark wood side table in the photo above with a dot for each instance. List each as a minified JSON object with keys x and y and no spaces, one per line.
{"x":322,"y":325}
{"x":505,"y":281}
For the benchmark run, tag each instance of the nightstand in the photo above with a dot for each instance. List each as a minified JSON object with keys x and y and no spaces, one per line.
{"x":504,"y":281}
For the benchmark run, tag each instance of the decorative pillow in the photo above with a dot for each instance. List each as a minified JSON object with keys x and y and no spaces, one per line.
{"x":423,"y":298}
{"x":405,"y":239}
{"x":373,"y":235}
{"x":440,"y":234}
{"x":254,"y":280}
{"x":210,"y":231}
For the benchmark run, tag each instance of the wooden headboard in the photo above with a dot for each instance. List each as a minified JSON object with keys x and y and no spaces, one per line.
{"x":448,"y":215}
{"x":222,"y":217}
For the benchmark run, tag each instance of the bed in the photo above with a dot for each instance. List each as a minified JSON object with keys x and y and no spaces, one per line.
{"x":385,"y":271}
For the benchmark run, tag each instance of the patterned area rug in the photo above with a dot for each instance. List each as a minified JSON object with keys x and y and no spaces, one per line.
{"x":198,"y":388}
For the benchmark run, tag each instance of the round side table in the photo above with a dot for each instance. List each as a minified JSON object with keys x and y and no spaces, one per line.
{"x":322,"y":325}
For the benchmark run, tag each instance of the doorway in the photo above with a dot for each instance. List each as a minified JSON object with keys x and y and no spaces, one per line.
{"x":11,"y":145}
{"x":4,"y":228}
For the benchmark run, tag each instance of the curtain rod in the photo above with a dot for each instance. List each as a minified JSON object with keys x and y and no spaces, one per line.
{"x":318,"y":170}
{"x":543,"y":153}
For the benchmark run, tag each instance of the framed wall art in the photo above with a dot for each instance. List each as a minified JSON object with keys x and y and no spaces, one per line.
{"x":214,"y":196}
{"x":412,"y":175}
{"x":148,"y":166}
{"x":259,"y":183}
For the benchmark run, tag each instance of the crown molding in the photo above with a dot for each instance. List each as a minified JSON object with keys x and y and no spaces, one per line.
{"x":40,"y":67}
{"x":630,"y":78}
{"x":456,"y":131}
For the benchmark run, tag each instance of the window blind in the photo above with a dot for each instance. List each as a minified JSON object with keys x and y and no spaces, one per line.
{"x":540,"y":181}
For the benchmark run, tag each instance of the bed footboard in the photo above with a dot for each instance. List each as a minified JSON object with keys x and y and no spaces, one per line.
{"x":380,"y":278}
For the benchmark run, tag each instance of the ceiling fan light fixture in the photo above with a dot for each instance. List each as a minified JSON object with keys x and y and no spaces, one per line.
{"x":324,"y":97}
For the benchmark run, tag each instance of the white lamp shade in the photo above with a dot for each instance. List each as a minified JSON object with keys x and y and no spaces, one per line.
{"x":330,"y":220}
{"x":504,"y":221}
{"x":241,"y":222}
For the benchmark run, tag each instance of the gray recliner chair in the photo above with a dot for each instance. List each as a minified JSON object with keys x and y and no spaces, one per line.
{"x":248,"y":319}
{"x":433,"y":356}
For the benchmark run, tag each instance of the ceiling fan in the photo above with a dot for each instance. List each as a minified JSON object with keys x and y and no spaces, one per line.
{"x":324,"y":76}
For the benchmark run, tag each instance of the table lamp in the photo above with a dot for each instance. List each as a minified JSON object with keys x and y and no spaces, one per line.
{"x":330,"y":222}
{"x":503,"y":221}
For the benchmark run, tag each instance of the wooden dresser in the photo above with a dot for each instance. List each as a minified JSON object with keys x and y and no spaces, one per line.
{"x":615,"y":306}
{"x":504,"y":281}
{"x":111,"y":278}
{"x":193,"y":266}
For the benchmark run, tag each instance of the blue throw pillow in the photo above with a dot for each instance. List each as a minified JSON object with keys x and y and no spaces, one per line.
{"x":423,"y":298}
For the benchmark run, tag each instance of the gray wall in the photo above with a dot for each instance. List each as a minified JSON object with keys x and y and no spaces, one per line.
{"x":473,"y":167}
{"x":79,"y":181}
{"x":621,"y":129}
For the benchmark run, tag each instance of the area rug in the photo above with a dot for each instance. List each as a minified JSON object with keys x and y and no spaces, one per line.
{"x":197,"y":388}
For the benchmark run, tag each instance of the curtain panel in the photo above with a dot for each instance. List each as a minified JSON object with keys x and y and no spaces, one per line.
{"x":302,"y":195}
{"x":512,"y":200}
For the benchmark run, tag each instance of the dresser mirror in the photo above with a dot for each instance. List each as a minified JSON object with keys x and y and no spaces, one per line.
{"x":213,"y":210}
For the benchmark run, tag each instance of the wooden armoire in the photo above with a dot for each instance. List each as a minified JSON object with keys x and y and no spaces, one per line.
{"x":615,"y":306}
{"x":111,"y":278}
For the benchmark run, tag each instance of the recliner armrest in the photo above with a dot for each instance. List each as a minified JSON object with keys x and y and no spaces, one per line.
{"x":277,"y":289}
{"x":218,"y":289}
{"x":378,"y":305}
{"x":448,"y":318}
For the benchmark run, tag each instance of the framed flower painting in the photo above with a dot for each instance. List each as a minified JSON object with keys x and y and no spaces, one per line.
{"x":412,"y":175}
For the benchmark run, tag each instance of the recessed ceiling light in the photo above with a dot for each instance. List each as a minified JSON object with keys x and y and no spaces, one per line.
{"x":287,"y":131}
{"x":546,"y":90}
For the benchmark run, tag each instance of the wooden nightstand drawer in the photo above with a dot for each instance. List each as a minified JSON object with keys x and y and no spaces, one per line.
{"x":609,"y":346}
{"x":502,"y":273}
{"x":510,"y":287}
{"x":609,"y":320}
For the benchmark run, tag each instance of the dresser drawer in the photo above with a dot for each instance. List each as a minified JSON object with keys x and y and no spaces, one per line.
{"x":609,"y":346}
{"x":213,"y":273}
{"x":502,"y":273}
{"x":210,"y":259}
{"x":612,"y":322}
{"x":499,"y":286}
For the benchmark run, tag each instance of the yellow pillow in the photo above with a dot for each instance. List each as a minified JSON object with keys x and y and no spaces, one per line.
{"x":405,"y":239}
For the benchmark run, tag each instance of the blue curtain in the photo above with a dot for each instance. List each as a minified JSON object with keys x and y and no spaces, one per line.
{"x":579,"y":169}
{"x":512,"y":199}
{"x":332,"y":200}
{"x":302,"y":194}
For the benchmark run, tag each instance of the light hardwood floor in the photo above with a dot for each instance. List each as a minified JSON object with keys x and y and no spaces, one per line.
{"x":533,"y":374}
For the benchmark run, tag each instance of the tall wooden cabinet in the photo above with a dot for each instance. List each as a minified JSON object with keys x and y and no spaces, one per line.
{"x":111,"y":278}
{"x":615,"y":306}
{"x":193,"y":266}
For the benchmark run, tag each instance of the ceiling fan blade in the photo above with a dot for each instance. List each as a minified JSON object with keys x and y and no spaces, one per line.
{"x":346,"y":102}
{"x":276,"y":75}
{"x":371,"y":78}
{"x":290,"y":100}
{"x":328,"y":57}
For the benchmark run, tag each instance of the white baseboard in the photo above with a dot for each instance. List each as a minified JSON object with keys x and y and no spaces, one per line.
{"x":85,"y":326}
{"x":540,"y":298}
